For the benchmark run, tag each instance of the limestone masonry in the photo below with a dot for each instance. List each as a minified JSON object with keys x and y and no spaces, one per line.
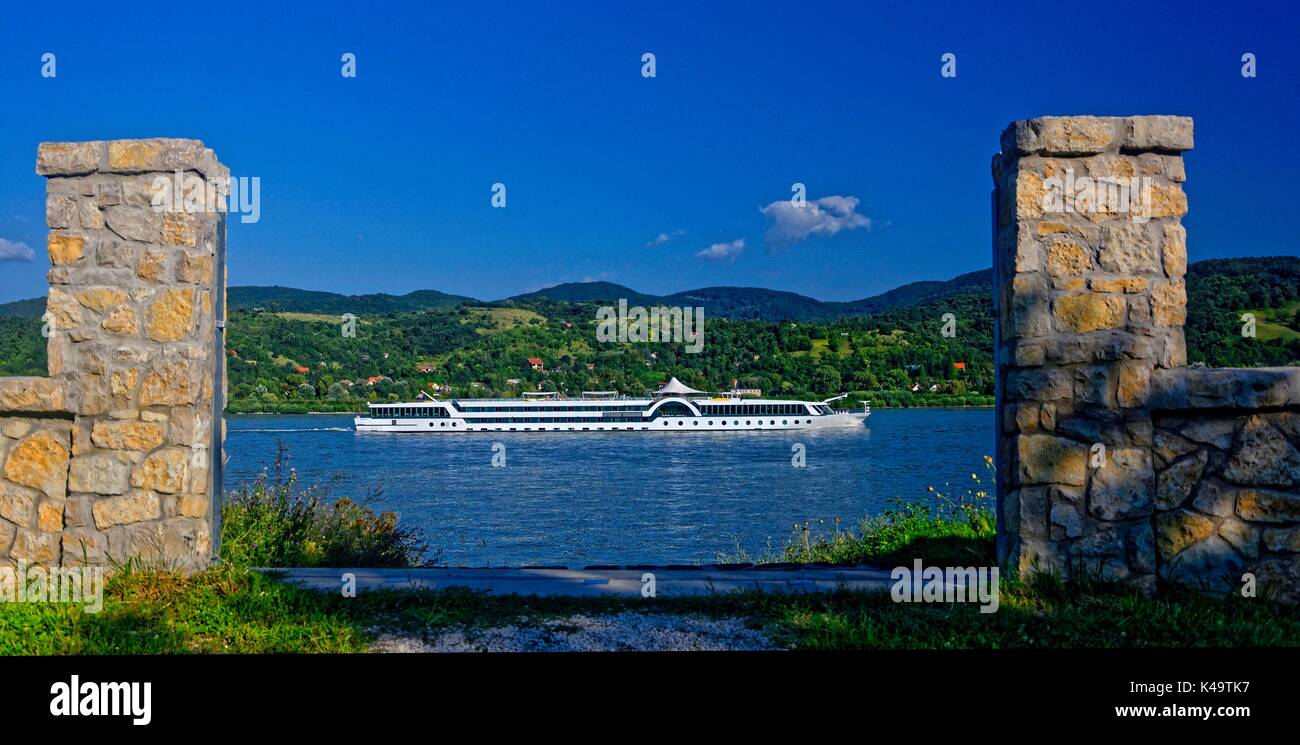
{"x":1114,"y":459}
{"x":109,"y":458}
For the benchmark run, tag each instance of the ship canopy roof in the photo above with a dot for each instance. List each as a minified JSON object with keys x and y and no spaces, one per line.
{"x":676,"y":387}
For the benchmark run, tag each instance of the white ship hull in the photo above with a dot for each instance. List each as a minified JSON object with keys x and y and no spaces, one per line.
{"x":673,"y":408}
{"x":663,"y":424}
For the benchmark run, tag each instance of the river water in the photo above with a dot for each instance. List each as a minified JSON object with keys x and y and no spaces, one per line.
{"x":584,"y":498}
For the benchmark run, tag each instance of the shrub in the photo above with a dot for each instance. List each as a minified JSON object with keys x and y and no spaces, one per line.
{"x":277,"y":522}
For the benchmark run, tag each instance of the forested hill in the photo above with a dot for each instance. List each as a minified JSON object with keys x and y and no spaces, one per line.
{"x":759,"y":304}
{"x":290,"y":300}
{"x":738,"y":303}
{"x":1220,"y":294}
{"x":1241,"y":312}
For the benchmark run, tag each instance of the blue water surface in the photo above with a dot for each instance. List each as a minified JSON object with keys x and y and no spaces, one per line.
{"x":583,"y":498}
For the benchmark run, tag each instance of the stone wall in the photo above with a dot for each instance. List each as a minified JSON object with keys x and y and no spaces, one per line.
{"x":1114,"y":460}
{"x":109,"y":458}
{"x":1227,"y":498}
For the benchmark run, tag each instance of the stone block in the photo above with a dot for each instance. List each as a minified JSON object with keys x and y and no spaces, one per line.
{"x":1169,"y":134}
{"x":35,"y":395}
{"x":100,"y":473}
{"x":1045,"y":459}
{"x":1123,"y":487}
{"x":40,"y":461}
{"x":1082,"y":312}
{"x":68,"y":158}
{"x":135,"y":507}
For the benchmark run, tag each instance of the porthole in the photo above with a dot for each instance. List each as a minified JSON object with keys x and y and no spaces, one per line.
{"x":785,"y":421}
{"x":696,"y":423}
{"x":679,"y":422}
{"x":748,"y":422}
{"x":735,"y":422}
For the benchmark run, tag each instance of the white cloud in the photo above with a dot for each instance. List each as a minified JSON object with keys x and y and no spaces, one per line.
{"x":792,"y":224}
{"x":723,"y":251}
{"x":10,"y":251}
{"x":663,"y":238}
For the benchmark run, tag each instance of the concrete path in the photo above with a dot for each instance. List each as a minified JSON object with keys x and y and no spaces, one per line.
{"x":675,"y":581}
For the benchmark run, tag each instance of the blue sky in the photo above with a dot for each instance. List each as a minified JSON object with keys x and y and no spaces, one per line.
{"x":382,"y":183}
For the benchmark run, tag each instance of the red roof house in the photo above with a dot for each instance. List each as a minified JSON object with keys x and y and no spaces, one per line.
{"x":536,"y":363}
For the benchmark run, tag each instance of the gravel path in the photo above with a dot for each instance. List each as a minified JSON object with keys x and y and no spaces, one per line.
{"x":622,"y":632}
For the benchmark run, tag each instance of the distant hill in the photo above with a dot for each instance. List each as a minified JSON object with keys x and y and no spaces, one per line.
{"x":30,"y":308}
{"x":587,"y":292}
{"x":759,"y":304}
{"x":1256,"y":282}
{"x":756,"y":304}
{"x":920,"y":292}
{"x":290,"y":300}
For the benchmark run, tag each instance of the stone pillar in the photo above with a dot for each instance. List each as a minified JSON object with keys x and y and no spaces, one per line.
{"x":1089,"y":257}
{"x":134,"y":228}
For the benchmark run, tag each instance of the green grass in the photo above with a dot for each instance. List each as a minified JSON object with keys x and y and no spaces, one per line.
{"x":1275,"y":323}
{"x":231,"y":610}
{"x":310,"y":317}
{"x":500,"y":319}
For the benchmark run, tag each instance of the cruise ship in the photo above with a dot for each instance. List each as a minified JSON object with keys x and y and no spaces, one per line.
{"x":673,"y":408}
